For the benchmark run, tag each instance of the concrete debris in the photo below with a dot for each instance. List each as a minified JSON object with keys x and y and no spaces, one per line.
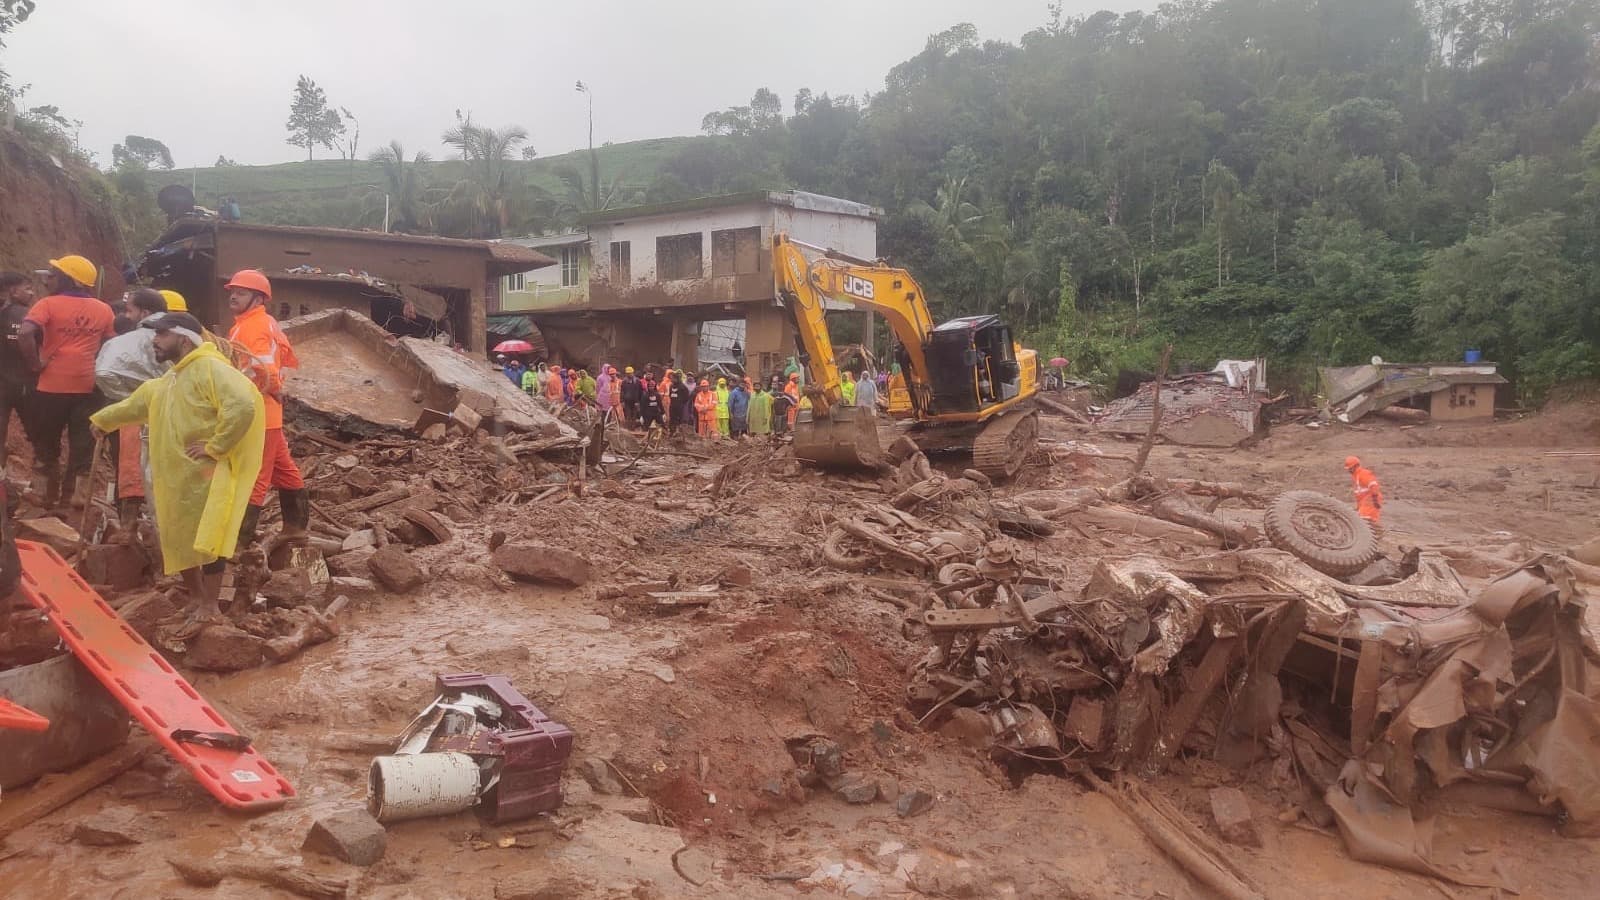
{"x":1201,"y":410}
{"x":60,"y":536}
{"x":395,"y":570}
{"x":224,"y":648}
{"x":353,"y":837}
{"x":119,"y":567}
{"x":1231,"y":811}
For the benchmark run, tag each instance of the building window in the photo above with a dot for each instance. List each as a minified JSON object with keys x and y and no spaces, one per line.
{"x":569,"y":266}
{"x":283,"y":310}
{"x":736,"y":251}
{"x":621,"y":263}
{"x":517,"y":282}
{"x":305,"y":310}
{"x":678,"y":257}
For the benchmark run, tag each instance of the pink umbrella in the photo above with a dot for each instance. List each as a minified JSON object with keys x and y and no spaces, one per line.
{"x":1057,"y":362}
{"x":513,"y":347}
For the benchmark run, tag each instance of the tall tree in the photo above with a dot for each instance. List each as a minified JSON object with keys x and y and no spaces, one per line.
{"x":137,"y":150}
{"x":406,"y":186}
{"x":312,"y":123}
{"x":485,"y":202}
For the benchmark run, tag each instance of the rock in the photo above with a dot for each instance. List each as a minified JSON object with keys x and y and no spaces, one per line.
{"x":888,"y":789}
{"x":496,"y":541}
{"x":60,"y":536}
{"x":968,"y":726}
{"x":824,"y":756}
{"x":435,"y":432}
{"x":345,"y":462}
{"x":353,"y":837}
{"x":737,"y":575}
{"x":117,"y":566}
{"x":116,"y":826}
{"x":359,"y":540}
{"x":854,"y":787}
{"x":361,"y":480}
{"x":599,"y":776}
{"x":287,"y":587}
{"x":663,"y":672}
{"x":395,"y":570}
{"x":224,"y":648}
{"x":144,"y":612}
{"x":350,"y":564}
{"x":694,"y":865}
{"x":1231,"y":810}
{"x":529,"y":561}
{"x":913,"y":803}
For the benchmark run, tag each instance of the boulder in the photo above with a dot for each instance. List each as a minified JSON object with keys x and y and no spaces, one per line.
{"x":144,"y":612}
{"x":224,"y":648}
{"x":351,"y":564}
{"x":353,"y":837}
{"x":287,"y":587}
{"x":1231,"y":810}
{"x":119,"y":567}
{"x":529,"y":561}
{"x":913,"y":803}
{"x":395,"y":570}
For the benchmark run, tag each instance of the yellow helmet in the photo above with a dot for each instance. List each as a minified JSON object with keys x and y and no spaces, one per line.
{"x":78,"y":269}
{"x":175,"y":301}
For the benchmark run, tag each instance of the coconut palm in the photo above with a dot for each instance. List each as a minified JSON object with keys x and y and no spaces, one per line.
{"x":486,"y":200}
{"x":407,"y":187}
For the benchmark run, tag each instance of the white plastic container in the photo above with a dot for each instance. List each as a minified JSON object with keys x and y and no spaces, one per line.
{"x":420,"y":785}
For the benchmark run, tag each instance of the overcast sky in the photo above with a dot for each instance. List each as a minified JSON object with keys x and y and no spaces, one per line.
{"x":211,"y":77}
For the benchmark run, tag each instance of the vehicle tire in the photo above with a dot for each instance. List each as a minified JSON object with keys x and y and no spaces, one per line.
{"x":845,"y":551}
{"x":1323,"y":532}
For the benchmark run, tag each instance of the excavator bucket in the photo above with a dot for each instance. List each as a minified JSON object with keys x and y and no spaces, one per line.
{"x":847,"y":438}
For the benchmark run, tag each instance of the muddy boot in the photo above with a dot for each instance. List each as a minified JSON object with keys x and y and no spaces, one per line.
{"x":247,"y":528}
{"x":296,"y":505}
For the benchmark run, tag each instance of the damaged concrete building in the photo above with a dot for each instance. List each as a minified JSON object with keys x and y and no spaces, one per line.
{"x":1446,"y":392}
{"x":648,"y":282}
{"x":413,"y":285}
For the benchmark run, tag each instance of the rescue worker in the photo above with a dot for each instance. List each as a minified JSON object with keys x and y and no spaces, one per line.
{"x":631,"y":392}
{"x":207,"y":424}
{"x":262,"y":352}
{"x":602,"y":391}
{"x":739,"y":409}
{"x":847,"y":388}
{"x":59,"y":340}
{"x":705,"y":410}
{"x":792,"y":390}
{"x":553,"y":393}
{"x":651,"y":405}
{"x":782,"y":406}
{"x":760,"y":414}
{"x":867,"y":394}
{"x":616,"y":393}
{"x":677,"y":401}
{"x":586,"y":387}
{"x":16,"y":380}
{"x":126,"y":362}
{"x":722,"y":407}
{"x":1369,"y":494}
{"x":530,"y":380}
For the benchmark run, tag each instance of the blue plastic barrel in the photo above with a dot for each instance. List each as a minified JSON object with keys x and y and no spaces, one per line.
{"x":1473,"y":356}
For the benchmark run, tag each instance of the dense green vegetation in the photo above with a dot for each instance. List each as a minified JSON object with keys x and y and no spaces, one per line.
{"x":1317,"y":181}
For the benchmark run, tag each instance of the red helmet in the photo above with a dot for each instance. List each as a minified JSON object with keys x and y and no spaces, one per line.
{"x":251,"y":280}
{"x":1351,"y":462}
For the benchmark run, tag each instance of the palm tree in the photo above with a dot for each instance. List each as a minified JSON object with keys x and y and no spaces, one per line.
{"x":407,"y":186}
{"x":587,"y":195}
{"x":485,"y":202}
{"x":952,"y":214}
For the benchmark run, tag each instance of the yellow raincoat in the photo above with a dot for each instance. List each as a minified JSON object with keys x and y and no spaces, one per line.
{"x":199,"y":503}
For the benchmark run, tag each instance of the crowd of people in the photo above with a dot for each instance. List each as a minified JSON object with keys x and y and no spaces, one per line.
{"x":714,"y":406}
{"x":194,"y":421}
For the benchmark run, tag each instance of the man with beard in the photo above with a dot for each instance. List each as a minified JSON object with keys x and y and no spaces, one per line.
{"x":207,"y":426}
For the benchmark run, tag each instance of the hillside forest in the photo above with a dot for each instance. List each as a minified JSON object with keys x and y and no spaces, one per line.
{"x":1314,"y":181}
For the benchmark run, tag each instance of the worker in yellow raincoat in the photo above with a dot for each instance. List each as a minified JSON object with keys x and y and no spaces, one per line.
{"x":207,"y":426}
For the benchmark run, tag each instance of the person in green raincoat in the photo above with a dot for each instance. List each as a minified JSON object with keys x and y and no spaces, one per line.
{"x":848,"y":388}
{"x":722,"y":406}
{"x":760,"y":414}
{"x":586,"y":386}
{"x":207,"y":425}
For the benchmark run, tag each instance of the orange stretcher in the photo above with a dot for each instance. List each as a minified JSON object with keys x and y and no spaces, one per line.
{"x":13,"y":715}
{"x":194,"y":733}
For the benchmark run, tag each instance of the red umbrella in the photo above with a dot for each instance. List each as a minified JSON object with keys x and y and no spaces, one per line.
{"x":1057,"y":362}
{"x":513,"y":347}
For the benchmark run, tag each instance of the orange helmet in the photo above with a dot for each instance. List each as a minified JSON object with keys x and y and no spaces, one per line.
{"x":1351,"y":462}
{"x":705,"y":383}
{"x":250,"y":280}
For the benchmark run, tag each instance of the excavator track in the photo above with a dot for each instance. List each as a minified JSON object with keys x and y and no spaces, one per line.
{"x":1003,"y":444}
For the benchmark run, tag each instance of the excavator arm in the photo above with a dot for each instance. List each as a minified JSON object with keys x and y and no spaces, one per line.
{"x":805,"y":282}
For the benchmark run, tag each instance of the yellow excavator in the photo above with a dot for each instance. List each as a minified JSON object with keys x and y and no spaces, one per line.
{"x":969,"y":387}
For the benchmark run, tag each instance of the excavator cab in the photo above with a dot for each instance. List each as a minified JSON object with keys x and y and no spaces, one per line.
{"x":973,"y":364}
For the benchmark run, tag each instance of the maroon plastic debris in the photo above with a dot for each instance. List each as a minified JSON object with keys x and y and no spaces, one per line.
{"x":533,"y":750}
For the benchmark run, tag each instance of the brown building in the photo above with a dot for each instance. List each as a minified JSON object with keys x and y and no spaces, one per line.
{"x":410,"y":284}
{"x":1449,"y":392}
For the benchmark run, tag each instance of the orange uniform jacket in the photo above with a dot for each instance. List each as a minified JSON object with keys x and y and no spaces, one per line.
{"x":262,"y":352}
{"x":1369,"y":494}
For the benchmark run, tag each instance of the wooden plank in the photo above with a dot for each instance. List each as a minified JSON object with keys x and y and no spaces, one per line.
{"x":23,"y":808}
{"x":1213,"y":666}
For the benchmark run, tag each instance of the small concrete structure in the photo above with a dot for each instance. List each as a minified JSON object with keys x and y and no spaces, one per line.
{"x":410,"y":284}
{"x":1450,"y":392}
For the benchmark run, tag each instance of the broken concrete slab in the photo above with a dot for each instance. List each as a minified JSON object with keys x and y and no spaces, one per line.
{"x":529,"y":561}
{"x":395,"y":570}
{"x":356,"y":377}
{"x":60,"y":536}
{"x":353,"y":837}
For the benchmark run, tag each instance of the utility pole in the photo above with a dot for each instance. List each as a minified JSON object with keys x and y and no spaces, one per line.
{"x":594,"y":161}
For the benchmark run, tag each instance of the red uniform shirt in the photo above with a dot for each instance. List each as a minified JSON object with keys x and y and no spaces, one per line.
{"x":74,"y":328}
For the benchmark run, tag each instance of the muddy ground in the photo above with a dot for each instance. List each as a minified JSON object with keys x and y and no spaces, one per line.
{"x":692,"y":708}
